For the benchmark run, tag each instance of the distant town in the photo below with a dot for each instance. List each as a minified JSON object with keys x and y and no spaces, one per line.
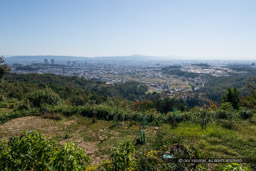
{"x":149,"y":72}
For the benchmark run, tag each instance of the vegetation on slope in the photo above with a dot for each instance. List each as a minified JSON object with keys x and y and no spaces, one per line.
{"x":153,"y":132}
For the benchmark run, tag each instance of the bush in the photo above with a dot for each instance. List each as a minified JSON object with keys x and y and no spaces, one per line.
{"x":77,"y":101}
{"x":3,"y":105}
{"x":70,"y":157}
{"x":226,"y":114}
{"x":71,"y":110}
{"x":122,"y":157}
{"x":23,"y":105}
{"x":19,"y":113}
{"x":41,"y":98}
{"x":184,"y":152}
{"x":228,"y":124}
{"x":32,"y":151}
{"x":151,"y":160}
{"x":234,"y":166}
{"x":246,"y":114}
{"x":159,"y":141}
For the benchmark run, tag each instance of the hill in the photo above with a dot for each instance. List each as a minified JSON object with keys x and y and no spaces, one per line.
{"x":110,"y":122}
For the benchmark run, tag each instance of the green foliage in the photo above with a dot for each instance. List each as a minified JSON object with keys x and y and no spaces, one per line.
{"x":70,"y":157}
{"x":184,"y":152}
{"x":23,"y":105}
{"x":227,"y":124}
{"x":77,"y":101}
{"x":115,"y":119}
{"x":234,"y":167}
{"x":28,"y":151}
{"x":227,"y":106}
{"x":144,"y":105}
{"x":174,"y":118}
{"x":19,"y":113}
{"x":167,"y":105}
{"x":151,"y":160}
{"x":84,"y":97}
{"x":144,"y":121}
{"x":32,"y":151}
{"x":4,"y":69}
{"x":215,"y":87}
{"x":246,"y":114}
{"x":176,"y":70}
{"x":122,"y":157}
{"x":159,"y":142}
{"x":41,"y":98}
{"x":232,"y":96}
{"x":142,"y":137}
{"x":69,"y":88}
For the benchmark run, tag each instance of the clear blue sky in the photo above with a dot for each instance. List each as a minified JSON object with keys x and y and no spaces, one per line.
{"x":204,"y":29}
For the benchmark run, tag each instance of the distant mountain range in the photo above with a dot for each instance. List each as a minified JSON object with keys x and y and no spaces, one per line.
{"x":131,"y":58}
{"x":40,"y":58}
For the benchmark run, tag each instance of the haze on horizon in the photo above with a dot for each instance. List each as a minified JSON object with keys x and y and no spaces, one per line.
{"x":191,"y":29}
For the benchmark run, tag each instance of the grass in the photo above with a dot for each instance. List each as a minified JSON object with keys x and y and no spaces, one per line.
{"x":98,"y":138}
{"x":216,"y":141}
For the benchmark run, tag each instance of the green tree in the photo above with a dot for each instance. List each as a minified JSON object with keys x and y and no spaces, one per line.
{"x":43,"y":98}
{"x":3,"y":68}
{"x":232,"y":96}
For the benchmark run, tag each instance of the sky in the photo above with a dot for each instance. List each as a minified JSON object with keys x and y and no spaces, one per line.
{"x":191,"y":29}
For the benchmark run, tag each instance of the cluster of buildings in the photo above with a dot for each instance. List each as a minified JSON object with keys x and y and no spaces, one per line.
{"x":52,"y":62}
{"x":213,"y":71}
{"x":114,"y":72}
{"x":46,"y":61}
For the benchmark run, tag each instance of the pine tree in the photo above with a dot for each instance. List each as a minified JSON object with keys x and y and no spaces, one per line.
{"x":232,"y":96}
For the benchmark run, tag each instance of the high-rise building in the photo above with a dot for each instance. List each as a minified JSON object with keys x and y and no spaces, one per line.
{"x":45,"y":61}
{"x":74,"y":63}
{"x":68,"y":63}
{"x":52,"y":61}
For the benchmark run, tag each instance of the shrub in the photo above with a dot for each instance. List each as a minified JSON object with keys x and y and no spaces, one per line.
{"x":227,"y":124}
{"x":77,"y":101}
{"x":19,"y":113}
{"x":28,"y":151}
{"x":246,"y":114}
{"x":70,"y":157}
{"x":23,"y":105}
{"x":32,"y":151}
{"x":150,"y":160}
{"x":226,"y":114}
{"x":159,"y":141}
{"x":234,"y":166}
{"x":70,"y":110}
{"x":184,"y":152}
{"x":122,"y":157}
{"x":41,"y":98}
